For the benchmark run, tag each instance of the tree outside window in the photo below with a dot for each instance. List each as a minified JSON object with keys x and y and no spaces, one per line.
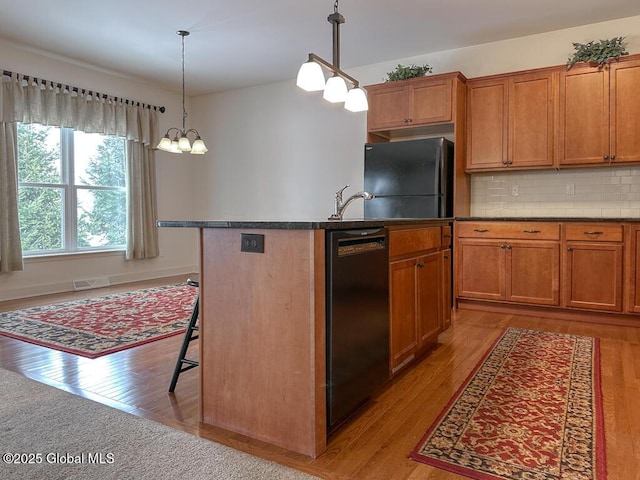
{"x":72,"y":194}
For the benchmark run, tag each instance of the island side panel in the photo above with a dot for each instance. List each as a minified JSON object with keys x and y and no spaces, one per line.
{"x":262,"y":337}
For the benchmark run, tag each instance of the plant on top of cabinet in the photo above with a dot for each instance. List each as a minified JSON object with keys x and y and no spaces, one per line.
{"x":402,"y":72}
{"x":600,"y":53}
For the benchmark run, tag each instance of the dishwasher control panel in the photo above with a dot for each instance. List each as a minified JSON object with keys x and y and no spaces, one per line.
{"x":354,"y":247}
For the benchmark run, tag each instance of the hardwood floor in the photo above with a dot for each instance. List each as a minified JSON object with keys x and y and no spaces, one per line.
{"x":376,"y":443}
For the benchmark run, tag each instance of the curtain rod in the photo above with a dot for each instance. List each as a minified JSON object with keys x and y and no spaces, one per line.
{"x":88,"y":92}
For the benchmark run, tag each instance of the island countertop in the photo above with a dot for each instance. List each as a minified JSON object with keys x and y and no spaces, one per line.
{"x":301,"y":224}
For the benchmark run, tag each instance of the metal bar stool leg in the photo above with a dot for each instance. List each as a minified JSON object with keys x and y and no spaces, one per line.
{"x":183,"y":364}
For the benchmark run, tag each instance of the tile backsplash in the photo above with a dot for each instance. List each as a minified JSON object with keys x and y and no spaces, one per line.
{"x":583,"y":192}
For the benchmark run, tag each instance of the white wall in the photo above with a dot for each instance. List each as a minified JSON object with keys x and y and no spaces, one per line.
{"x":279,"y":152}
{"x":174,"y":178}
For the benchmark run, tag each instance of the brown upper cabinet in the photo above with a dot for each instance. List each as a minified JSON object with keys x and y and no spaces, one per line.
{"x":411,"y":103}
{"x":599,"y":114}
{"x":510,"y":121}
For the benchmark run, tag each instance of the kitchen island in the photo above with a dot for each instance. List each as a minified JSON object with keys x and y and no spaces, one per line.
{"x":262,"y":322}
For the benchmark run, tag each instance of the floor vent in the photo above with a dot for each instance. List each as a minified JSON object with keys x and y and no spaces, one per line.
{"x":91,"y":283}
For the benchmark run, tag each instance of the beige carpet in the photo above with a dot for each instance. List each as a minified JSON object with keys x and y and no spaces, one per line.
{"x":70,"y":437}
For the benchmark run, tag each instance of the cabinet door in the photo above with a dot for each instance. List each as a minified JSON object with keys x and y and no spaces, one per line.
{"x":592,"y":276}
{"x":532,"y":102}
{"x":533,"y":272}
{"x":481,"y":269}
{"x":428,"y":288}
{"x":632,"y":281}
{"x":403,"y":304}
{"x":625,"y":111}
{"x":584,"y":116}
{"x":487,"y":124}
{"x":388,"y":107}
{"x":446,"y":296}
{"x":430,"y":102}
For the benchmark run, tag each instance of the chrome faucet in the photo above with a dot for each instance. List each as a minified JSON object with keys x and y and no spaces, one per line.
{"x":341,"y":207}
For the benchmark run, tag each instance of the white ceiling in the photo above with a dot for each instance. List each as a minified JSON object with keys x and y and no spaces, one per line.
{"x":247,"y":42}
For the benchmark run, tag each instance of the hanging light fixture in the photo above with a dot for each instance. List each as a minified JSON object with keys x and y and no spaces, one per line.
{"x":336,"y":90}
{"x":180,"y":142}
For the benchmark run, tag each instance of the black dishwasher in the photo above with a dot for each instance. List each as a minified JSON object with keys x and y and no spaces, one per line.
{"x":357,"y":319}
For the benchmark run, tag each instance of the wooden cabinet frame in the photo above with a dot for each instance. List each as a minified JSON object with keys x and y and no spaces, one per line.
{"x":511,"y":121}
{"x":420,"y":291}
{"x":592,"y":276}
{"x":411,"y":103}
{"x":598,"y":115}
{"x":598,"y":267}
{"x":522,"y":271}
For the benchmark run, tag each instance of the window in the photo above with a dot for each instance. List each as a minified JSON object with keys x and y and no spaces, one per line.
{"x":71,"y":190}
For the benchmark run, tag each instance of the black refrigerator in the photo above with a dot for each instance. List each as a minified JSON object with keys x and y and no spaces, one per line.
{"x":409,"y":179}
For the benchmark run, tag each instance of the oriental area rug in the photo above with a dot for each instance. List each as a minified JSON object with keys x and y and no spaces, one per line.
{"x":532,"y":409}
{"x":98,"y":326}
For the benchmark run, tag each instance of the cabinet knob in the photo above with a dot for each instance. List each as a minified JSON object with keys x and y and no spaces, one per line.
{"x":605,"y":157}
{"x":613,"y":157}
{"x":569,"y":249}
{"x":420,"y":264}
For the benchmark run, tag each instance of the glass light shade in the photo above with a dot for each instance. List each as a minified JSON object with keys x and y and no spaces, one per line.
{"x":198,"y":147}
{"x":184,"y":145}
{"x":336,"y":90}
{"x":165,"y":144}
{"x":310,"y":77}
{"x":356,"y":101}
{"x":174,"y":146}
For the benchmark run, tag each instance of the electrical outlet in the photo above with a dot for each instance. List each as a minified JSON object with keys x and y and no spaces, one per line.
{"x":571,"y":189}
{"x":515,"y":190}
{"x":252,"y":242}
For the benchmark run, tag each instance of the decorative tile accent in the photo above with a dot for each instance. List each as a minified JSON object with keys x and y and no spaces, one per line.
{"x":584,"y":192}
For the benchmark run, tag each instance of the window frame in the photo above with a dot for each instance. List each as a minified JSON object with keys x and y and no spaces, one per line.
{"x":69,"y":230}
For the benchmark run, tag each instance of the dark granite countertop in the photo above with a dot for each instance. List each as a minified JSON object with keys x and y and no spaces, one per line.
{"x":300,"y":224}
{"x":547,"y":219}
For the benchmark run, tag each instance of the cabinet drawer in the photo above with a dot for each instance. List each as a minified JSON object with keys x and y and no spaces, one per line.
{"x":593,"y":232}
{"x":512,"y":230}
{"x":403,"y":242}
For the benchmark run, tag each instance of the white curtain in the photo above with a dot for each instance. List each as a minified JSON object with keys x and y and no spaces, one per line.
{"x":47,"y":103}
{"x":142,"y":237}
{"x":10,"y":246}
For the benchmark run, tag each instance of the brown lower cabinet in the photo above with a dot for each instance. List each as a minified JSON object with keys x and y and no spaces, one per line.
{"x":515,"y":271}
{"x":500,"y":264}
{"x":592,"y":267}
{"x":420,"y":293}
{"x":447,"y":288}
{"x":632,"y":269}
{"x":574,"y":266}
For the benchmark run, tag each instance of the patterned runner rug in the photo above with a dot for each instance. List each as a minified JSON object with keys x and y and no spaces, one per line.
{"x":98,"y":326}
{"x":532,"y":409}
